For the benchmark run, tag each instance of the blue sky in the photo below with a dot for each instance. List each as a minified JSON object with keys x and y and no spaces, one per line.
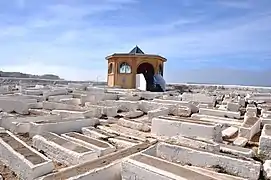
{"x":219,"y":41}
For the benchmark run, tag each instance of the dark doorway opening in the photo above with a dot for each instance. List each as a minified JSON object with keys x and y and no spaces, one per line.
{"x":148,"y":71}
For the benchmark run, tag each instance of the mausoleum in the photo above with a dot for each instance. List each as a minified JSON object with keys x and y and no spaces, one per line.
{"x":123,"y":68}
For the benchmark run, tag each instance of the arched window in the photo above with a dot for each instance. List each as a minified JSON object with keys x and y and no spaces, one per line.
{"x":110,"y":68}
{"x":125,"y":68}
{"x":160,"y":71}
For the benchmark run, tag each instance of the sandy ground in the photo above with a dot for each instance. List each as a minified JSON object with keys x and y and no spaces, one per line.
{"x":6,"y":173}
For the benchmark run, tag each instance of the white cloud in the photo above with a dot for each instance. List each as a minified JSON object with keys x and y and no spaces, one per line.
{"x":63,"y":38}
{"x":247,"y":36}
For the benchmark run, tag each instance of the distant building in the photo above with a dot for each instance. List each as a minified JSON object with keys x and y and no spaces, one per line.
{"x":123,"y":67}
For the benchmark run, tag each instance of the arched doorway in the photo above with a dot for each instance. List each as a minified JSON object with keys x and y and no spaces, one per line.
{"x":148,"y":71}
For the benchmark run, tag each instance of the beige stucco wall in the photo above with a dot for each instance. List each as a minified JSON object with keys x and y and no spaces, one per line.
{"x":128,"y":81}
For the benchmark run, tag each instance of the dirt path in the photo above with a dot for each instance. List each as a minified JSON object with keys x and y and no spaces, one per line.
{"x":6,"y":173}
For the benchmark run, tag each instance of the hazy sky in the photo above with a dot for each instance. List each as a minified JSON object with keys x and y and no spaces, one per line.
{"x":220,"y":41}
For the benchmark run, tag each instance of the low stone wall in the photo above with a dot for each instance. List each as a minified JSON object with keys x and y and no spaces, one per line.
{"x":134,"y":125}
{"x":26,"y":162}
{"x":57,"y":98}
{"x":194,"y":108}
{"x":265,"y":142}
{"x":221,"y":113}
{"x":89,"y":168}
{"x":63,"y":150}
{"x":121,"y":104}
{"x":101,"y":148}
{"x":62,"y":126}
{"x":250,"y":127}
{"x":22,"y":125}
{"x":55,"y":92}
{"x":109,"y":111}
{"x":158,"y":112}
{"x":95,"y":133}
{"x":226,"y":122}
{"x":12,"y":105}
{"x":166,"y":127}
{"x":147,"y":167}
{"x":54,"y":105}
{"x":109,"y":172}
{"x":238,"y":151}
{"x":122,"y":142}
{"x":194,"y":143}
{"x":246,"y":168}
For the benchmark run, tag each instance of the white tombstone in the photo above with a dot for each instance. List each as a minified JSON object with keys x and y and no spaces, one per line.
{"x":141,"y":83}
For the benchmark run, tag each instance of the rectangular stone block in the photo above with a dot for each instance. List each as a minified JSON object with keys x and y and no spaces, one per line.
{"x":250,"y":127}
{"x":54,"y":92}
{"x":149,"y":95}
{"x":109,"y":111}
{"x":71,"y":101}
{"x":70,"y":114}
{"x":265,"y":142}
{"x":61,"y":106}
{"x":266,"y":114}
{"x":245,"y":168}
{"x":146,"y":106}
{"x":101,"y":147}
{"x":194,"y":143}
{"x":266,"y":99}
{"x":226,"y":122}
{"x":26,"y":162}
{"x":134,"y":125}
{"x":96,"y":133}
{"x":62,"y":150}
{"x":229,"y":132}
{"x":181,"y":111}
{"x":57,"y":98}
{"x":12,"y":105}
{"x":221,"y":113}
{"x":166,"y":127}
{"x":92,"y":89}
{"x":198,"y":97}
{"x":133,"y":114}
{"x":32,"y":92}
{"x":37,"y":105}
{"x":62,"y":126}
{"x":147,"y":167}
{"x":94,"y":169}
{"x":252,"y":109}
{"x":240,"y":141}
{"x":129,"y":97}
{"x":267,"y":169}
{"x":22,"y":124}
{"x":121,"y":105}
{"x":205,"y":105}
{"x":78,"y":86}
{"x":126,"y":132}
{"x":20,"y":96}
{"x":265,"y":121}
{"x":194,"y":108}
{"x":122,"y":142}
{"x":238,"y":151}
{"x":95,"y":98}
{"x":213,"y":174}
{"x":108,"y":172}
{"x":39,"y":112}
{"x":233,"y":106}
{"x":157,"y":113}
{"x":90,"y":113}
